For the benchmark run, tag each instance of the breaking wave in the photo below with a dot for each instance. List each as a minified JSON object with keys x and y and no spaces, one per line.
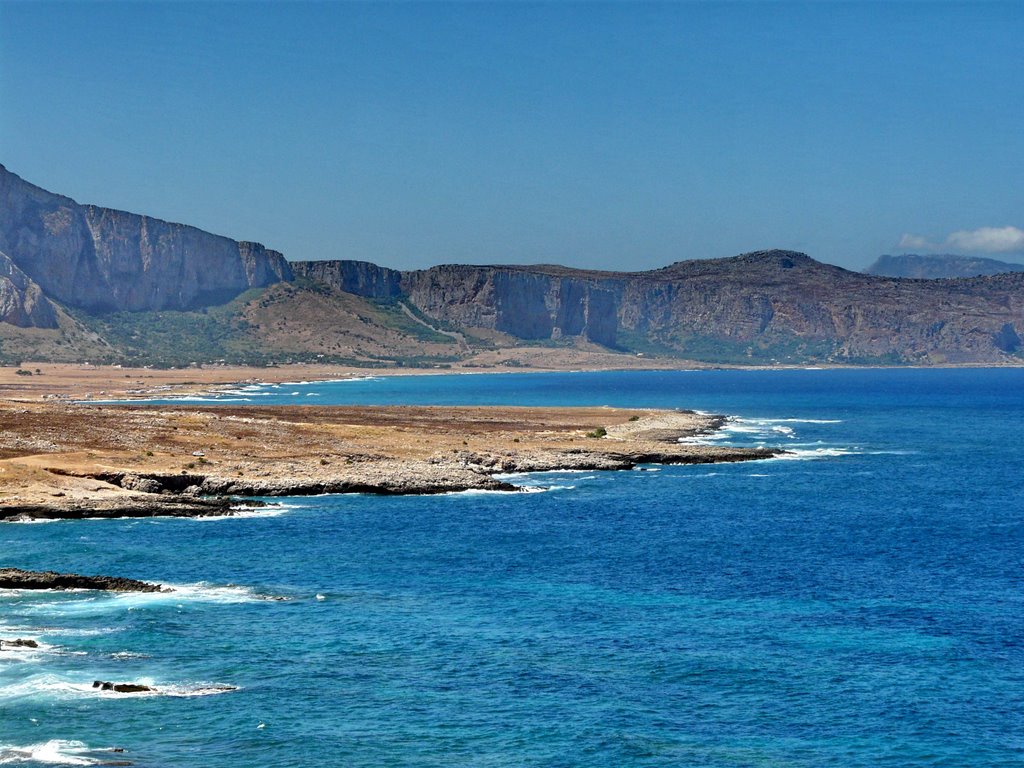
{"x":55,"y":752}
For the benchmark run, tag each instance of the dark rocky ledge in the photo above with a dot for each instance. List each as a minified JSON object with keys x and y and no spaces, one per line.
{"x":136,"y":505}
{"x":15,"y":578}
{"x":204,"y":495}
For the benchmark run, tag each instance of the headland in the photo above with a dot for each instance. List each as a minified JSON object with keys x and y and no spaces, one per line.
{"x":65,"y":459}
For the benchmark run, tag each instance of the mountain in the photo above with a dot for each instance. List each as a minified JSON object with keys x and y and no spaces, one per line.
{"x":939,"y":266}
{"x":88,"y":283}
{"x":103,"y":260}
{"x":767,"y":306}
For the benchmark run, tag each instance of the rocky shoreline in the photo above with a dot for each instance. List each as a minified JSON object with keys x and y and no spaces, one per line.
{"x":16,"y":578}
{"x":83,"y":462}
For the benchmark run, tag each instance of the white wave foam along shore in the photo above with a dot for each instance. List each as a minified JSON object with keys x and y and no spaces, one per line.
{"x":55,"y":752}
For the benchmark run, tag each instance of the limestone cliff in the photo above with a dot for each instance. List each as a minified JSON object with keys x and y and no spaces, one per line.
{"x":100,"y":259}
{"x":514,"y":300}
{"x":522,"y":302}
{"x":359,"y":277}
{"x":767,"y":306}
{"x":22,"y":302}
{"x":759,"y":307}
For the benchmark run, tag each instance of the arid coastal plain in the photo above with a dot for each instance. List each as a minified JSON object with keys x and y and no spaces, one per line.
{"x":64,"y":458}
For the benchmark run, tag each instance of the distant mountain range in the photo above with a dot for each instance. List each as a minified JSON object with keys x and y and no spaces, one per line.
{"x":82,"y":282}
{"x":930,"y":267}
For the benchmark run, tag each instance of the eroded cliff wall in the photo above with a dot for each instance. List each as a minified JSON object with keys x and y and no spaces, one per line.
{"x":359,"y":277}
{"x":22,"y":302}
{"x":764,"y":305}
{"x":100,"y":259}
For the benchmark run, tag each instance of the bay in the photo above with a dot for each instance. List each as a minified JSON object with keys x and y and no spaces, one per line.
{"x":857,"y":603}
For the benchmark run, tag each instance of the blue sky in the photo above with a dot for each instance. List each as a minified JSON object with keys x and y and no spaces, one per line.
{"x":613,"y":136}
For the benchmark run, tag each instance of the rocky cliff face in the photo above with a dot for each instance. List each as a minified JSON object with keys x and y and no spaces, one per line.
{"x":359,"y":277}
{"x":101,"y":259}
{"x":776,"y":304}
{"x":22,"y":302}
{"x":762,"y":306}
{"x":518,"y":301}
{"x":759,"y":307}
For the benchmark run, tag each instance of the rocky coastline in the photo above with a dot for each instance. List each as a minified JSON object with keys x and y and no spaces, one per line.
{"x":16,"y":578}
{"x":78,"y":461}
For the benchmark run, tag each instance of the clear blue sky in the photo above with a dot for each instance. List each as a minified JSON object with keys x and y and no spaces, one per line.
{"x":621,"y":136}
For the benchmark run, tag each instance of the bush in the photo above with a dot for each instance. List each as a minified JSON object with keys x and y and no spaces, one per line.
{"x":599,"y":432}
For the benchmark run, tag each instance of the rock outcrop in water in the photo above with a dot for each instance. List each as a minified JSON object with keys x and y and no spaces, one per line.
{"x":100,"y":259}
{"x":122,"y":687}
{"x":15,"y":578}
{"x":18,"y":643}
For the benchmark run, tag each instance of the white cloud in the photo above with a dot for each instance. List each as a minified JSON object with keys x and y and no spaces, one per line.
{"x":915,"y":243}
{"x":982,"y":240}
{"x":988,"y":240}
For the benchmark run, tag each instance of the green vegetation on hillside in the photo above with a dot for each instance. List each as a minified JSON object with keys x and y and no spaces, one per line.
{"x":303,"y":321}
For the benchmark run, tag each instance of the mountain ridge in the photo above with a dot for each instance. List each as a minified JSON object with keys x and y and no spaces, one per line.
{"x":103,"y":259}
{"x":939,"y":266}
{"x":773,"y":304}
{"x":81,"y":280}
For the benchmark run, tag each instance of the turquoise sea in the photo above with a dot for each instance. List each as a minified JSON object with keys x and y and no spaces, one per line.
{"x":859,"y":603}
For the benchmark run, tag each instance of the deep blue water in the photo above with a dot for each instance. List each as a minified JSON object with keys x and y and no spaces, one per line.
{"x":858,"y":605}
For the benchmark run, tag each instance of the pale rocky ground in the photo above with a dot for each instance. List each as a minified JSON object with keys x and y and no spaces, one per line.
{"x":71,"y":460}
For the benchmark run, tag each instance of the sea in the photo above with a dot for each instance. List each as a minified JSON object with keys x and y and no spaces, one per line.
{"x":856,"y":602}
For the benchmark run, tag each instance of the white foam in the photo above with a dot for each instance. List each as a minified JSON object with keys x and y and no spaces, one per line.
{"x":52,"y":686}
{"x":21,"y":653}
{"x":807,"y":454}
{"x":54,"y":752}
{"x":244,"y":392}
{"x":83,"y":632}
{"x":26,"y":520}
{"x":104,"y":602}
{"x":482,"y":492}
{"x":807,"y":421}
{"x":246,"y":513}
{"x":757,"y":429}
{"x":546,"y":488}
{"x":540,"y":473}
{"x":200,"y":591}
